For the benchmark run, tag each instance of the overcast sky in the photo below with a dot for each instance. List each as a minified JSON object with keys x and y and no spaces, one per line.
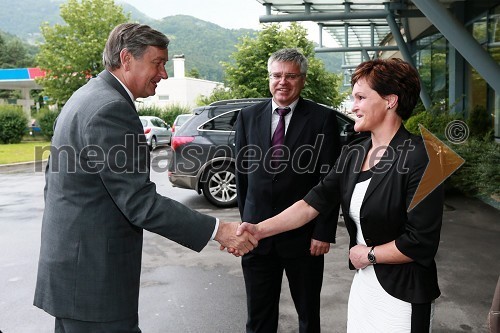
{"x":230,"y":14}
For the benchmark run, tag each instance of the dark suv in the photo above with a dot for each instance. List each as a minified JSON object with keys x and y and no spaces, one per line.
{"x":203,"y":156}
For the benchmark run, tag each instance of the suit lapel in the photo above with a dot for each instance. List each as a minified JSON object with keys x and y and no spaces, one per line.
{"x":300,"y":118}
{"x":388,"y":161}
{"x":264,"y":125}
{"x":113,"y":82}
{"x":354,"y":163}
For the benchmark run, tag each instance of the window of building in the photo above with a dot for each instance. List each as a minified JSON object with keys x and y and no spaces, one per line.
{"x":494,"y":25}
{"x":163,"y":97}
{"x":479,"y":30}
{"x":431,"y":61}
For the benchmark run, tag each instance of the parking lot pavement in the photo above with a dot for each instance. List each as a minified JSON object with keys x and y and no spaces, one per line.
{"x":184,"y":291}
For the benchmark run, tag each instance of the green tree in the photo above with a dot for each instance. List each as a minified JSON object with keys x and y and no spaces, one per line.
{"x":194,"y":73}
{"x":218,"y":94}
{"x":15,"y":55}
{"x":2,"y":50}
{"x":247,"y":77}
{"x":72,"y":52}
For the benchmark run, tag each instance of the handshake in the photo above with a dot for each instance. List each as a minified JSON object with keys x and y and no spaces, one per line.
{"x":237,"y":238}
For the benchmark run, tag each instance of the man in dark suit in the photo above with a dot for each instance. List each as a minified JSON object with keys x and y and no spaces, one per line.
{"x":285,"y":146}
{"x":99,"y":198}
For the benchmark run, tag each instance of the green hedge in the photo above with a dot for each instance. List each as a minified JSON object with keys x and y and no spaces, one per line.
{"x":435,"y":123}
{"x":13,"y":124}
{"x":167,"y":113}
{"x":480,"y":174}
{"x":46,"y":119}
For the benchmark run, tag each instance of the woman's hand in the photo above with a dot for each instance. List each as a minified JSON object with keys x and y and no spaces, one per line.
{"x":251,"y":228}
{"x":242,"y":229}
{"x":358,"y":255}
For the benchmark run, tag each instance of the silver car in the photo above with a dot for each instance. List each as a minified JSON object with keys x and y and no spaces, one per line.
{"x":157,"y":132}
{"x":179,"y":121}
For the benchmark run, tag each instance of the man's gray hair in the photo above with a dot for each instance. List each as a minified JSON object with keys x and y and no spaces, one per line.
{"x":135,"y":38}
{"x":289,"y":55}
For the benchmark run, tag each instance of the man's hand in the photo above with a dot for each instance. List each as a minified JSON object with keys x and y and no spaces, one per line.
{"x":358,"y":255}
{"x":238,"y":245}
{"x":319,"y":248}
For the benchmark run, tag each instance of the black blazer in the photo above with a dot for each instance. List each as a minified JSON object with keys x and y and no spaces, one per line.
{"x":313,"y":140}
{"x":384,"y":215}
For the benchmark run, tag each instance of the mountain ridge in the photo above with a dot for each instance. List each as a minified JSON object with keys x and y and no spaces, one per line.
{"x":204,"y":44}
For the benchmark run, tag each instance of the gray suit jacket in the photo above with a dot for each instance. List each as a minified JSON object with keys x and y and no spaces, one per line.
{"x":98,"y":199}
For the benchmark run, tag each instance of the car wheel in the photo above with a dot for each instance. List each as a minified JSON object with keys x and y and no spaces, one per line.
{"x":220,"y":186}
{"x":154,"y":144}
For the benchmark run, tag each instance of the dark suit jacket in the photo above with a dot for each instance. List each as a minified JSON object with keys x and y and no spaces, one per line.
{"x":384,"y":215}
{"x":313,"y":140}
{"x":98,"y":199}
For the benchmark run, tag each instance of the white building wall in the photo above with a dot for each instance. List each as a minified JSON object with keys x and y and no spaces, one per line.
{"x":175,"y":91}
{"x":179,"y":90}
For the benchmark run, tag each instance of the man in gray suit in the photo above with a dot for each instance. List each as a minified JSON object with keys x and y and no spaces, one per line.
{"x":99,"y":198}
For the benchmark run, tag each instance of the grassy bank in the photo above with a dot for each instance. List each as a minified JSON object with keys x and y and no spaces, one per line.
{"x":22,"y":152}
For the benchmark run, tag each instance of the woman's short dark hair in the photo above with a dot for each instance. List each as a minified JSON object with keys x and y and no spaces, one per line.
{"x":135,"y":38}
{"x":391,"y":76}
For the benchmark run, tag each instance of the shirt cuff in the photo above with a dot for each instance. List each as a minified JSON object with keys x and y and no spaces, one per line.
{"x":215,"y":229}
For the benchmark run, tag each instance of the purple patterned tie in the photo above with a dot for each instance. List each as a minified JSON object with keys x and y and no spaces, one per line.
{"x":279,"y":133}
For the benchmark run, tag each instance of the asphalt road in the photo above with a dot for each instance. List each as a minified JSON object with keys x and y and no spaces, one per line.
{"x":181,"y":290}
{"x":187,"y":292}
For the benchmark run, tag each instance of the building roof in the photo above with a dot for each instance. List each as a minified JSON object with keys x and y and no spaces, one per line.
{"x":356,"y":24}
{"x":19,"y":78}
{"x":359,"y":26}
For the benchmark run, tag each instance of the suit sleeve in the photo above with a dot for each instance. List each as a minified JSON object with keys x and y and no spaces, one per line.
{"x":326,"y":223}
{"x":117,"y":151}
{"x":420,"y":240}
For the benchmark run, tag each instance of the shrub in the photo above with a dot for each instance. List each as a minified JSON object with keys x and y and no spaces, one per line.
{"x":435,"y":123}
{"x":155,"y":111}
{"x":480,"y":174}
{"x":479,"y":122}
{"x":424,"y":118}
{"x":167,"y":113}
{"x":13,"y":124}
{"x":46,"y":119}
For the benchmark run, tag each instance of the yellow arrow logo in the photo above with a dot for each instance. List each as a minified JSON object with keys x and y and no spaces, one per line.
{"x":443,"y":162}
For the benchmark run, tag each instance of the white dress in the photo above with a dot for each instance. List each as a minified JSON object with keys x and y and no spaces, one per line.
{"x":371,"y":308}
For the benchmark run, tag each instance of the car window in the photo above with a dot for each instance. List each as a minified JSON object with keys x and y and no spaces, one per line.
{"x":180,"y":120}
{"x":223,"y":122}
{"x":341,"y":123}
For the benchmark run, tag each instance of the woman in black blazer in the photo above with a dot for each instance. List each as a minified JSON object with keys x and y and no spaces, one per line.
{"x":391,"y":246}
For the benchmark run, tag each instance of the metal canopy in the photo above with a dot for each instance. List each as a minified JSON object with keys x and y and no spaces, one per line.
{"x":357,"y":26}
{"x":365,"y":28}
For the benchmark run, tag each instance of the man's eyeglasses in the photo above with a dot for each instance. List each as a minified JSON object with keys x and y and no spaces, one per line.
{"x":287,"y":76}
